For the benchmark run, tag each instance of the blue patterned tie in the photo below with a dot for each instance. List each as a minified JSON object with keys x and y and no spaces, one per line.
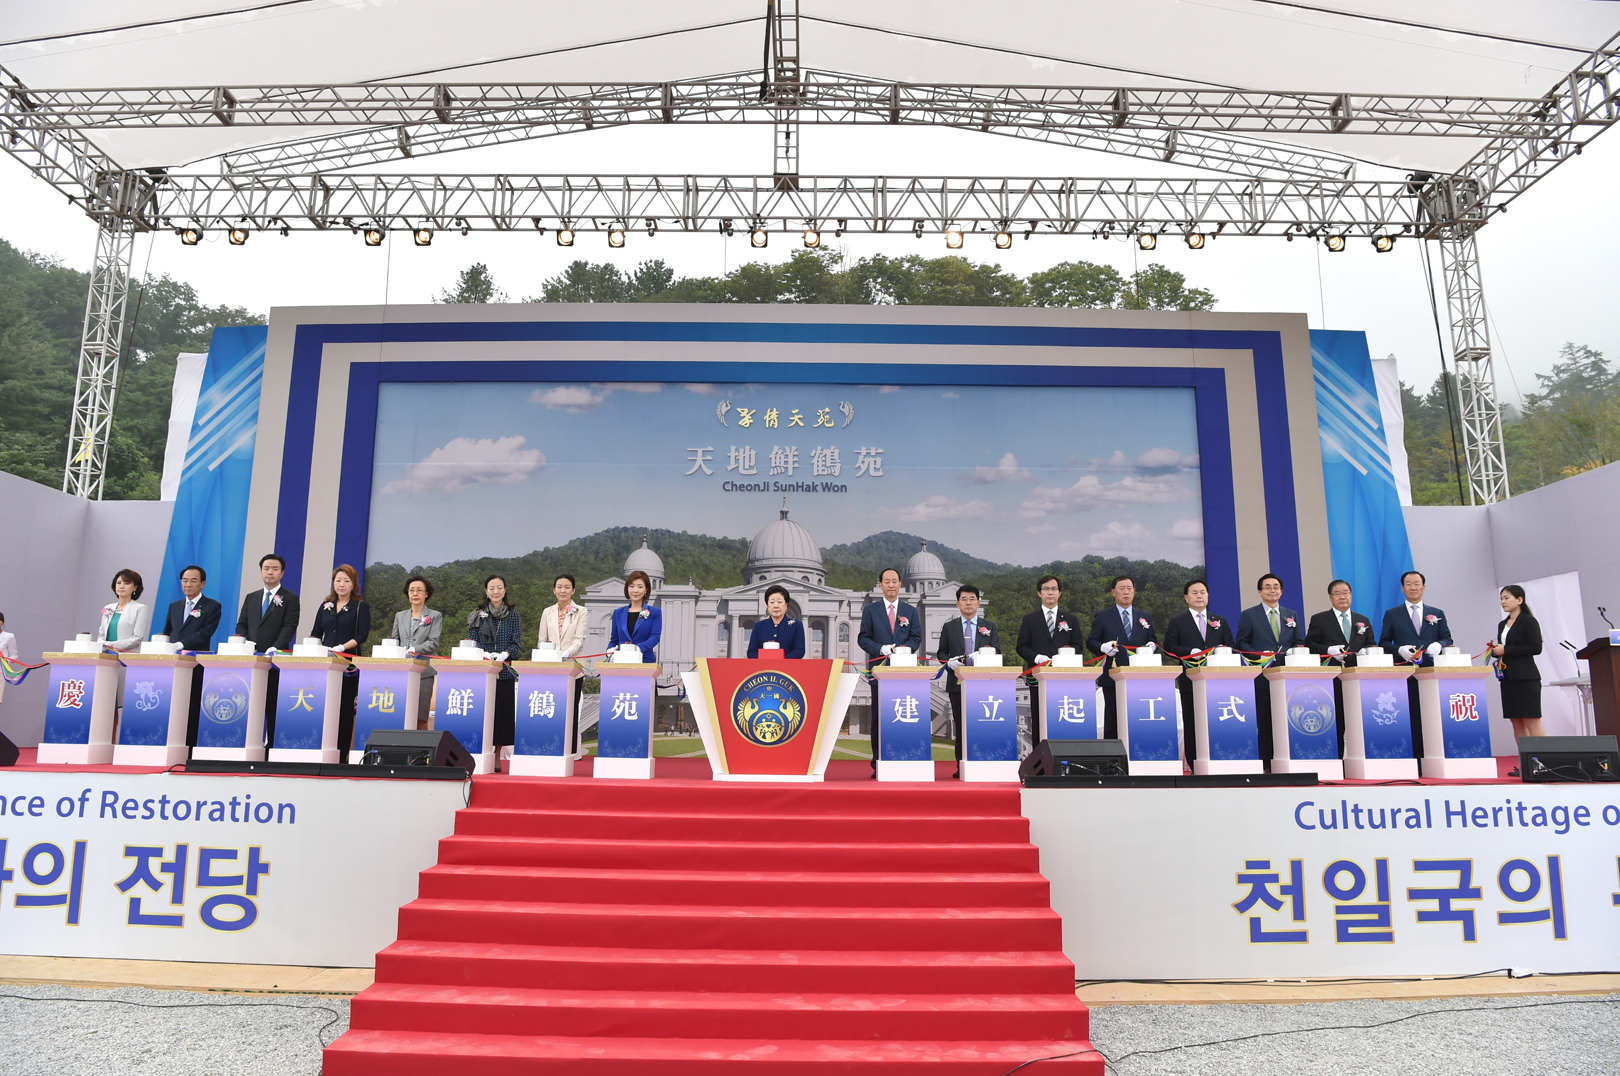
{"x":1125,"y":619}
{"x":264,"y":609}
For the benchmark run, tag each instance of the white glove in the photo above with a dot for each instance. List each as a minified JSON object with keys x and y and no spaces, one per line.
{"x":886,"y":648}
{"x":412,"y":650}
{"x":339,"y":651}
{"x":1335,"y":651}
{"x":1406,"y":652}
{"x":503,"y":655}
{"x":1109,"y":648}
{"x":1041,"y":659}
{"x":954,"y":663}
{"x":272,"y":650}
{"x":1434,"y":648}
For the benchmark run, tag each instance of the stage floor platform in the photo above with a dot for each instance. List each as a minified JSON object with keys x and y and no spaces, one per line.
{"x":838,"y":771}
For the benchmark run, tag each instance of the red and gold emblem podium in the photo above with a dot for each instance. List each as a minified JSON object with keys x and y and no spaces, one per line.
{"x":769,"y":719}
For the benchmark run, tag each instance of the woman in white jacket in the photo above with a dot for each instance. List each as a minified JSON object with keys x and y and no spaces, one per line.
{"x":125,"y":621}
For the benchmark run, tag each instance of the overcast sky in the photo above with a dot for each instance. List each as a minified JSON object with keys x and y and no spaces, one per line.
{"x":1548,"y":263}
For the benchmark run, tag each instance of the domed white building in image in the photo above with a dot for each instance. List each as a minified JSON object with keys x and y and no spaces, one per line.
{"x":716,"y":623}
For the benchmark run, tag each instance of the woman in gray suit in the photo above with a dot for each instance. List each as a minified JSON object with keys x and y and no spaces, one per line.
{"x":125,"y":620}
{"x":417,"y":630}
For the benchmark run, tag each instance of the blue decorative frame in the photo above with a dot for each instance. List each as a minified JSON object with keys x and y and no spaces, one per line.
{"x":1209,"y":385}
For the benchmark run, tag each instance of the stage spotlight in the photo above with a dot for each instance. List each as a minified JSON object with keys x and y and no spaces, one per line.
{"x":917,"y":228}
{"x":565,"y":237}
{"x":1147,"y":240}
{"x":812,"y":238}
{"x":373,"y":237}
{"x":1383,"y":244}
{"x":1003,"y":240}
{"x":191,"y":236}
{"x":759,"y":237}
{"x":237,"y":236}
{"x":1195,"y":240}
{"x":423,"y":237}
{"x":1334,"y":243}
{"x":615,"y":235}
{"x":953,"y":238}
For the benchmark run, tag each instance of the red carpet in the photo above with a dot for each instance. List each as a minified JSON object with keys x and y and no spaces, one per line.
{"x":687,"y":928}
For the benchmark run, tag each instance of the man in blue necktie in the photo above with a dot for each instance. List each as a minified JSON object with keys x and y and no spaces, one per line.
{"x":1268,"y":628}
{"x":270,"y":618}
{"x":963,"y":636}
{"x":1115,"y":632}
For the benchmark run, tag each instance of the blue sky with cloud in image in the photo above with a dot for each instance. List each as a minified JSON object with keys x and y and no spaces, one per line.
{"x":1010,"y":474}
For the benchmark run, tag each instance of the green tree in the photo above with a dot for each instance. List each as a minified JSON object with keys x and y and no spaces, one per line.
{"x":1076,"y":284}
{"x":1158,"y":288}
{"x":474,"y":285}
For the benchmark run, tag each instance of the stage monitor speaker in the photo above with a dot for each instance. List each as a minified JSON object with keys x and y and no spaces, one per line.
{"x":415,"y":747}
{"x":1569,"y":758}
{"x":8,"y":751}
{"x":1076,"y":758}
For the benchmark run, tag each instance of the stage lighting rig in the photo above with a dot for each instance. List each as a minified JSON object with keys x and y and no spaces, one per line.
{"x":422,"y":237}
{"x":1335,"y":244}
{"x":565,"y":236}
{"x":373,"y":237}
{"x":812,"y":238}
{"x":615,"y":235}
{"x":917,"y":228}
{"x":237,"y":236}
{"x":953,"y":238}
{"x":1147,"y":240}
{"x":1383,"y":244}
{"x":1195,"y":240}
{"x":191,"y":235}
{"x":1003,"y":239}
{"x":758,"y":236}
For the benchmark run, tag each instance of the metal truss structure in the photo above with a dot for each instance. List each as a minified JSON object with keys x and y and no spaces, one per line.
{"x":1262,"y":187}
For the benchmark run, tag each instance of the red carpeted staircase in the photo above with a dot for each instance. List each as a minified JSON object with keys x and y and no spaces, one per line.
{"x":690,"y":927}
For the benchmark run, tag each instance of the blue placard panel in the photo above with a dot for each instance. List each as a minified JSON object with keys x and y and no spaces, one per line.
{"x":1313,"y":729}
{"x":223,"y":719}
{"x":906,"y":721}
{"x":147,"y":694}
{"x":1233,"y":718}
{"x":301,"y":708}
{"x":459,"y":699}
{"x":990,"y":720}
{"x":1150,"y":707}
{"x":69,"y":701}
{"x":1464,"y":718}
{"x":624,"y":724}
{"x":1069,"y":708}
{"x":380,"y":703}
{"x":1386,"y":719}
{"x":541,"y":720}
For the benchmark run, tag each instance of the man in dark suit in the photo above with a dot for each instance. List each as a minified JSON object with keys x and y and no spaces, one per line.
{"x":1041,"y":635}
{"x":885,"y":625}
{"x":1339,"y":634}
{"x":1193,"y":632}
{"x":1115,"y":631}
{"x":269,"y":617}
{"x":961,"y":637}
{"x":1268,"y":628}
{"x":1416,"y":632}
{"x":192,"y":622}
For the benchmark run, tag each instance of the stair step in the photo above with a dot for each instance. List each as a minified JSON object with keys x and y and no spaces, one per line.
{"x":854,"y":801}
{"x":844,"y":889}
{"x":740,"y":927}
{"x":690,"y":1014}
{"x":651,"y":825}
{"x":419,"y":1053}
{"x":724,"y":855}
{"x":565,"y":967}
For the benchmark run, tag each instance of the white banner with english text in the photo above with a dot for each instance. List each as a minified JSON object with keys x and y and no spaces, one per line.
{"x":222,"y":869}
{"x":1330,"y":881}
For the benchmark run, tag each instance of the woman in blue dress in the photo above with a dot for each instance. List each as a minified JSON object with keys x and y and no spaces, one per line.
{"x":777,"y":628}
{"x":638,"y":622}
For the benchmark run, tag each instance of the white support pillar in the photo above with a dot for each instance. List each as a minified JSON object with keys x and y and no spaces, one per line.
{"x":97,"y":386}
{"x":1483,"y":448}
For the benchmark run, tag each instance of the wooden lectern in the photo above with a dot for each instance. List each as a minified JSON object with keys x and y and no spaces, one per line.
{"x":1603,"y":658}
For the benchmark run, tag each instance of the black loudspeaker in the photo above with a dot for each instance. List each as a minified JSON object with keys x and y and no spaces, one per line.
{"x":1076,"y":758}
{"x":415,"y":747}
{"x":8,"y":751}
{"x":1569,"y":758}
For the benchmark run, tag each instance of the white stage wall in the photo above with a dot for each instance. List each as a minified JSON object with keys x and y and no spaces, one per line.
{"x":60,"y":554}
{"x":341,"y":857}
{"x":1148,"y":880}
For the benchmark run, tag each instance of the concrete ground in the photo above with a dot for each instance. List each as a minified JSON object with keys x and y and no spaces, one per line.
{"x":61,"y":1017}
